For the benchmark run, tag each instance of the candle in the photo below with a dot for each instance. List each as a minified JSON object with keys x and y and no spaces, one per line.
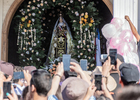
{"x":21,"y":43}
{"x":18,"y":35}
{"x":34,"y":34}
{"x":24,"y":38}
{"x":31,"y":36}
{"x":27,"y":40}
{"x":81,"y":31}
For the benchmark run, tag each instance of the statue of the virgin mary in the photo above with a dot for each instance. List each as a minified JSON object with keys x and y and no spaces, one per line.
{"x":61,"y":42}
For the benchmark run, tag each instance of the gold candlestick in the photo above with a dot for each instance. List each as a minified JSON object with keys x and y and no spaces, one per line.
{"x":81,"y":31}
{"x":18,"y":35}
{"x":21,"y":43}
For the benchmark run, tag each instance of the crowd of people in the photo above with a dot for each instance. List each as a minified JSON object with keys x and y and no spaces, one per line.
{"x":38,"y":84}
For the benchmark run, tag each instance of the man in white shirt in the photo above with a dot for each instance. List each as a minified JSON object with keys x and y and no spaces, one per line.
{"x":18,"y":86}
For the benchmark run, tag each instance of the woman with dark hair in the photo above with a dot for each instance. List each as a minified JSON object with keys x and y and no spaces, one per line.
{"x":26,"y":94}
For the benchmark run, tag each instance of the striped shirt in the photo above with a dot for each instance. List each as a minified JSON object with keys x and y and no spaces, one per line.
{"x":52,"y":97}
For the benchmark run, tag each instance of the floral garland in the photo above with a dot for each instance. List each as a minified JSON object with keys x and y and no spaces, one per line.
{"x":30,"y":29}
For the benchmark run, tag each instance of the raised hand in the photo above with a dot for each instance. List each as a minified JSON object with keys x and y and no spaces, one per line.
{"x":91,"y":89}
{"x":27,"y":76}
{"x":56,"y":79}
{"x":13,"y":96}
{"x":75,"y":67}
{"x":106,"y":67}
{"x":8,"y":79}
{"x":127,"y":18}
{"x":90,"y":92}
{"x":60,"y":69}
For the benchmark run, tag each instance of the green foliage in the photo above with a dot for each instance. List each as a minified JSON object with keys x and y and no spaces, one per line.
{"x":30,"y":42}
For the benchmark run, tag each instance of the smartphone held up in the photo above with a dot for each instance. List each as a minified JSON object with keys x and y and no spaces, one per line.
{"x":6,"y":89}
{"x":113,"y":56}
{"x":104,"y":57}
{"x":66,"y":62}
{"x":83,"y":64}
{"x":18,"y":75}
{"x":98,"y":81}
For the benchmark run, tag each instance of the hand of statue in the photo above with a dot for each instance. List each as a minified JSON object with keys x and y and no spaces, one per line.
{"x":127,"y":18}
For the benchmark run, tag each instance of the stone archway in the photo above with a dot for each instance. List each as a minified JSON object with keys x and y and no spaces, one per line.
{"x":6,"y":27}
{"x":7,"y":23}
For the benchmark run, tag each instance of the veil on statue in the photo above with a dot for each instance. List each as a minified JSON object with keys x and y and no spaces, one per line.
{"x":61,"y":41}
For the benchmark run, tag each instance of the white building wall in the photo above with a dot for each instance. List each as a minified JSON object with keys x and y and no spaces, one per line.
{"x":4,"y":7}
{"x":139,"y":16}
{"x":126,"y":7}
{"x":1,"y":13}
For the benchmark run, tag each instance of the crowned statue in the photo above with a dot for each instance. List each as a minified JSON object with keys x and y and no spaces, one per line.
{"x":61,"y":42}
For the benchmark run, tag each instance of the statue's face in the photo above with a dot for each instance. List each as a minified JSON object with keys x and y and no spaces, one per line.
{"x":61,"y":20}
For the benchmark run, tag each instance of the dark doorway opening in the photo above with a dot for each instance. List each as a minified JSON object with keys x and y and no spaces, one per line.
{"x":104,"y":13}
{"x":48,"y":22}
{"x":106,"y":16}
